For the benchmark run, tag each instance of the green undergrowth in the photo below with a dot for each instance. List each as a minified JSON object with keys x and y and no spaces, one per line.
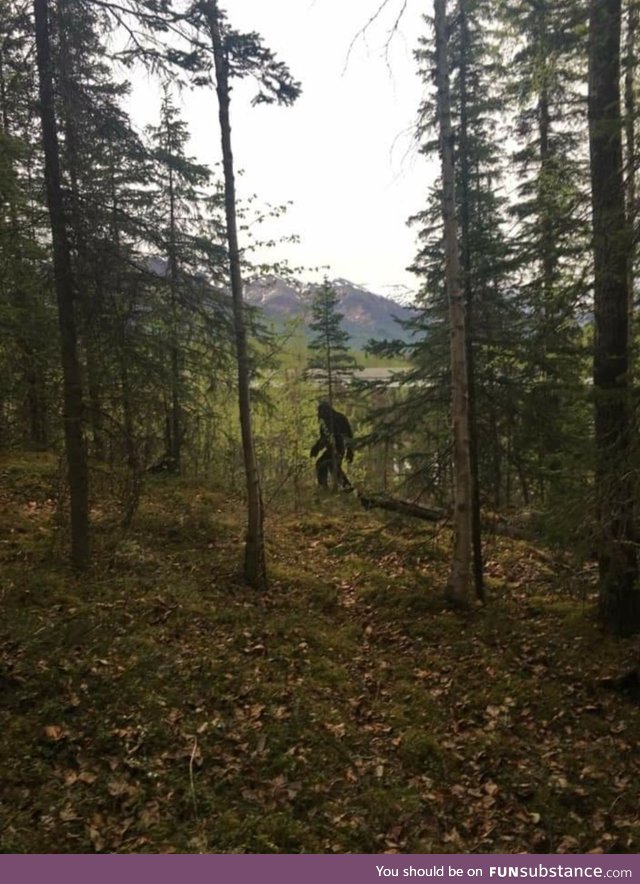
{"x":156,"y":704}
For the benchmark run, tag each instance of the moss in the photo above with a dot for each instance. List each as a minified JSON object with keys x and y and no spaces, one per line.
{"x":279,"y":832}
{"x":383,"y":808}
{"x":420,"y":752}
{"x":324,"y":599}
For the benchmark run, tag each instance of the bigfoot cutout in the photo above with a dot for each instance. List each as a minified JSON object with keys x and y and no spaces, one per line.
{"x":336,"y":439}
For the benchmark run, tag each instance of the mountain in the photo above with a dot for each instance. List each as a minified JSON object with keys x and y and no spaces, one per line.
{"x":366,"y":315}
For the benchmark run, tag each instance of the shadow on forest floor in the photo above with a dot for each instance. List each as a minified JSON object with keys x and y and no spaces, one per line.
{"x":157,"y":705}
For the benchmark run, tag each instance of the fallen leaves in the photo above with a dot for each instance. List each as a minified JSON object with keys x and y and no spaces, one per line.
{"x":55,"y":732}
{"x":337,"y":730}
{"x":344,"y":710}
{"x":71,"y":777}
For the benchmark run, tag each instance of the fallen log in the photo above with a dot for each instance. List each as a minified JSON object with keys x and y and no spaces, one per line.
{"x":404,"y":507}
{"x":491,"y":525}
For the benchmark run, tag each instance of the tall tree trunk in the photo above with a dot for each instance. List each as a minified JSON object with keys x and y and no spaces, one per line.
{"x":87,"y":300}
{"x":175,"y":418}
{"x":549,"y":450}
{"x":72,"y":382}
{"x":547,"y":242}
{"x":458,"y":587}
{"x":87,"y":292}
{"x":476,"y":529}
{"x":619,"y":594}
{"x":549,"y":253}
{"x":630,"y":142}
{"x":255,"y":570}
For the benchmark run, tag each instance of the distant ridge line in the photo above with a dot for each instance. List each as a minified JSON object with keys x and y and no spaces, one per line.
{"x":367,"y":315}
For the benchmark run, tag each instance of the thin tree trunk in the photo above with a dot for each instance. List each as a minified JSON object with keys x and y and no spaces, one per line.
{"x":175,"y":419}
{"x":546,"y":183}
{"x":619,"y":594}
{"x":630,"y":143}
{"x":87,"y":301}
{"x":331,"y":427}
{"x":72,"y":383}
{"x":549,"y":254}
{"x":255,"y":570}
{"x":476,"y":531}
{"x":458,"y":587}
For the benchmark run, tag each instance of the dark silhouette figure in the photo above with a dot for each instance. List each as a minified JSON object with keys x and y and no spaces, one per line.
{"x":335,"y":442}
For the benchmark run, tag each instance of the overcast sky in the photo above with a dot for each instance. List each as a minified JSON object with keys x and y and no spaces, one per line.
{"x":344,"y":154}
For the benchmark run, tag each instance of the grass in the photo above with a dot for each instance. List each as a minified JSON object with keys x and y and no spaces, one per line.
{"x":156,"y":704}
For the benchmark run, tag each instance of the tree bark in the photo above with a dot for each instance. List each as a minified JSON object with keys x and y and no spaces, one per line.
{"x":458,"y":588}
{"x":175,"y":417}
{"x":619,"y":596}
{"x":71,"y":374}
{"x":492,"y":525}
{"x":255,"y":570}
{"x":87,"y":301}
{"x":630,"y":143}
{"x":476,"y":530}
{"x":403,"y":507}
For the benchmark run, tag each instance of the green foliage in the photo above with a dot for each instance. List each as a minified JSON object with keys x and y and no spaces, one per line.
{"x":422,"y":412}
{"x":247,"y":56}
{"x":330,"y":360}
{"x":524,"y":251}
{"x":28,"y":328}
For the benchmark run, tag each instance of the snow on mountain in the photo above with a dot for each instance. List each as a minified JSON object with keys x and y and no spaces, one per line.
{"x":366,"y":315}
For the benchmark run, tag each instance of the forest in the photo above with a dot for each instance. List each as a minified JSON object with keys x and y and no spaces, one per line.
{"x":253,"y":599}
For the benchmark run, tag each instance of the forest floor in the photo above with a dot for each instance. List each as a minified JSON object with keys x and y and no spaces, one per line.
{"x":158,"y":705}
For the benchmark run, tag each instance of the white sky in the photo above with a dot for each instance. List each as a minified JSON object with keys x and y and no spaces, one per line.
{"x":344,"y":153}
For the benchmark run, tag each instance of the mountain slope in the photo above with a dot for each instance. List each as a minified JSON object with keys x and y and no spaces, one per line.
{"x":366,"y":315}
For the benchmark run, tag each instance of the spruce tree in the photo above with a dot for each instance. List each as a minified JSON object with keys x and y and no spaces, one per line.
{"x":458,"y":586}
{"x":550,"y":239}
{"x":618,"y":568}
{"x":330,"y":360}
{"x":27,"y":302}
{"x":177,"y":204}
{"x":77,"y":468}
{"x":478,"y":158}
